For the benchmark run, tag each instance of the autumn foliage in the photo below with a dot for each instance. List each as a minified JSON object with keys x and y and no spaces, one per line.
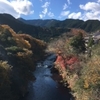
{"x":18,"y":56}
{"x":77,"y":69}
{"x":66,"y":62}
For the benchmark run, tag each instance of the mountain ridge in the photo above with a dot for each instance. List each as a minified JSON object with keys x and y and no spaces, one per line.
{"x":89,"y":25}
{"x":35,"y":31}
{"x":50,"y":28}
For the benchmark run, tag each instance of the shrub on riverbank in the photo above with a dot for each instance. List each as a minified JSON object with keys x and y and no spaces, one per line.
{"x":5,"y":88}
{"x":87,"y":87}
{"x":82,"y":74}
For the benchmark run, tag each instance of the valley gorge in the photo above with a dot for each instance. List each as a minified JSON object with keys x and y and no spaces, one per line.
{"x":49,"y":59}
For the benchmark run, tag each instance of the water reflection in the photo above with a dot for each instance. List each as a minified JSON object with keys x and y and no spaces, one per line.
{"x":45,"y":88}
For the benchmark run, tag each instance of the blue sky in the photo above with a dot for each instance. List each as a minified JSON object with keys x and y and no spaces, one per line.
{"x":52,"y":9}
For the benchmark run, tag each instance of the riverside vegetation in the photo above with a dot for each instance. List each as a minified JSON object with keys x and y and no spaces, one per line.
{"x":79,"y":70}
{"x":18,"y":56}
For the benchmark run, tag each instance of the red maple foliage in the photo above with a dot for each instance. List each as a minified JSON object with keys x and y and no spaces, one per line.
{"x":60,"y":60}
{"x":72,"y":60}
{"x":68,"y":61}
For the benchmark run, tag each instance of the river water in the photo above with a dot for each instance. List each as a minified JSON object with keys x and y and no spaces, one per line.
{"x":44,"y":87}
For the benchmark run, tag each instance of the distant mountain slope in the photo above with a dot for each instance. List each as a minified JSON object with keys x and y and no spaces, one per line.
{"x":50,"y":28}
{"x":89,"y":25}
{"x":35,"y":31}
{"x":17,"y":25}
{"x":40,"y":22}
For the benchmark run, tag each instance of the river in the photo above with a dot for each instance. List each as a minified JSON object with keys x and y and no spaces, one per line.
{"x":44,"y":87}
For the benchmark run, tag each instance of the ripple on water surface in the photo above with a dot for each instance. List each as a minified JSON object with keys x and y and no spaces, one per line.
{"x":45,"y":88}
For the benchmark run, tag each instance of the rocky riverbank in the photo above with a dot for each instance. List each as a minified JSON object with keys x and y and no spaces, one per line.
{"x":45,"y":86}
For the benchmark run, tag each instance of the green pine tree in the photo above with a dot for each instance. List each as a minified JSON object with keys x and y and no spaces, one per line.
{"x":91,"y":42}
{"x":78,"y":43}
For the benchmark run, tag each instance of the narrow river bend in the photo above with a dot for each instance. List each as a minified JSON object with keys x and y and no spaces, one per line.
{"x":44,"y":87}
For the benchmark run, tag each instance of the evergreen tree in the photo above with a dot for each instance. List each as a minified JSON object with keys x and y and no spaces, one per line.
{"x":78,"y":43}
{"x":91,"y":42}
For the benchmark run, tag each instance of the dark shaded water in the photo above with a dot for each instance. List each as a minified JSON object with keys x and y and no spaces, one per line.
{"x":45,"y":88}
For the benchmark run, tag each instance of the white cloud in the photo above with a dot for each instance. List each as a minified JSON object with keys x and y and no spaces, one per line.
{"x":91,"y":15}
{"x":64,"y":13}
{"x":41,"y":16}
{"x":22,"y":6}
{"x":45,"y":11}
{"x":50,"y":14}
{"x":91,"y":10}
{"x":68,"y":1}
{"x":6,"y":7}
{"x":65,"y":6}
{"x":98,"y":1}
{"x":92,"y":6}
{"x":75,"y":15}
{"x":16,"y":7}
{"x":46,"y":5}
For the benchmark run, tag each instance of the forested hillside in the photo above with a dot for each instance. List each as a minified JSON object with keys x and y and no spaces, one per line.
{"x":47,"y":29}
{"x":18,"y":56}
{"x":37,"y":32}
{"x":88,"y":26}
